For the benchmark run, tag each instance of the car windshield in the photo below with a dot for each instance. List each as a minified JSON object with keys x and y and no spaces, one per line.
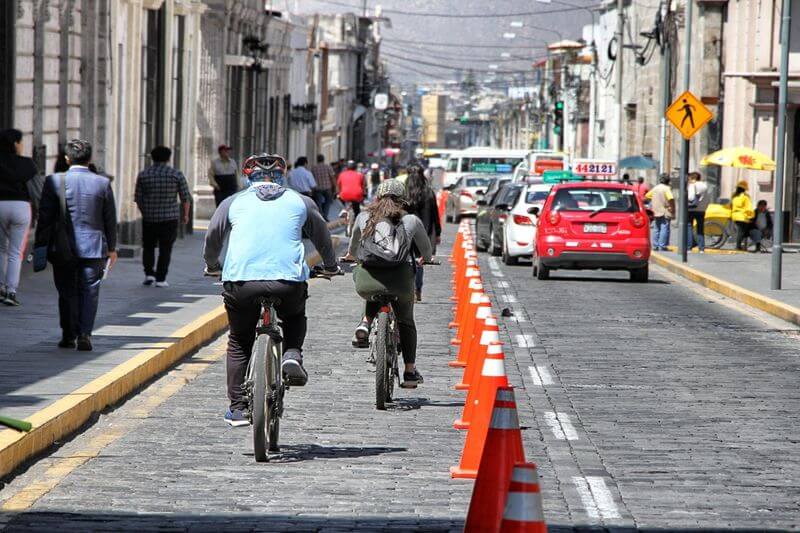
{"x":536,"y":197}
{"x":478,"y":182}
{"x":452,"y":165}
{"x":595,"y":199}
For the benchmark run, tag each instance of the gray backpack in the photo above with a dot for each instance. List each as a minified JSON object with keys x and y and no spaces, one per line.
{"x":388,"y":247}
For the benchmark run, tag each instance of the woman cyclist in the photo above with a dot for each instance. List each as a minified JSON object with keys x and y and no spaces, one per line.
{"x":376,"y":225}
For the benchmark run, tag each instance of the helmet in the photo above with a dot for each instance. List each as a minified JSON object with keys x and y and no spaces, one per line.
{"x":264,"y":166}
{"x":743,"y":184}
{"x":393,"y":187}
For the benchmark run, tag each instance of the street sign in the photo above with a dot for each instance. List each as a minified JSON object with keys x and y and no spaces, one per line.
{"x":540,"y":165}
{"x":688,"y":114}
{"x":594,"y":167}
{"x":559,"y":176}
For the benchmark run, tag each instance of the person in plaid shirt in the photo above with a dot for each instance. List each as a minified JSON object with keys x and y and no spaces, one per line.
{"x":326,"y":184}
{"x":157,"y":189}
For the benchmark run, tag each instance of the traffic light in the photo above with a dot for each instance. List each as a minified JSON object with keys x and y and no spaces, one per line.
{"x":558,"y":116}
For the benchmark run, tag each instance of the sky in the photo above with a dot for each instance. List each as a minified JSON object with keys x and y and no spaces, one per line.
{"x":430,"y":40}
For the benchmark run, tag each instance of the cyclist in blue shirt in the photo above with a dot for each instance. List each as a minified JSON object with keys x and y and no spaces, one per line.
{"x":264,"y":226}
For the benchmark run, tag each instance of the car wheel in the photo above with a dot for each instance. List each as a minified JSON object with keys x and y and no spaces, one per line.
{"x":479,"y":246}
{"x":494,"y":249}
{"x":640,"y":275}
{"x":456,"y":216}
{"x":508,"y":259}
{"x":447,"y":217}
{"x":540,"y":271}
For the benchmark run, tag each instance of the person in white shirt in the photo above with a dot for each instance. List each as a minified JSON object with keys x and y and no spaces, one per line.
{"x":697,"y":195}
{"x":301,"y":179}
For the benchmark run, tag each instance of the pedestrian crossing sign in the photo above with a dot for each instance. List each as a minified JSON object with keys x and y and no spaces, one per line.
{"x":688,"y":114}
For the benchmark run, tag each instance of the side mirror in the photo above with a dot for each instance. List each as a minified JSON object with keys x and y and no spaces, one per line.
{"x":481,"y":202}
{"x":533,"y":211}
{"x":480,"y":192}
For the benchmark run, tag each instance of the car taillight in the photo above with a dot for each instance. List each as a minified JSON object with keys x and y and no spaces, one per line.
{"x":554,"y":218}
{"x":466,"y":193}
{"x":522,"y":220}
{"x":638,"y":220}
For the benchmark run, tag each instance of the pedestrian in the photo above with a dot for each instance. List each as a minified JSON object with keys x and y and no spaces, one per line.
{"x":626,"y":179}
{"x":158,"y":188}
{"x":697,"y":197}
{"x":763,"y":221}
{"x":663,"y":206}
{"x":374,"y":178}
{"x":16,"y":174}
{"x":352,"y":187}
{"x":326,"y":185}
{"x":641,"y":189}
{"x":223,"y":175}
{"x":422,"y":203}
{"x":301,"y":179}
{"x":92,"y":239}
{"x":742,"y":214}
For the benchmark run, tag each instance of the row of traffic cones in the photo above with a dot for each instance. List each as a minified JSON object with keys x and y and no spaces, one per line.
{"x":506,"y":495}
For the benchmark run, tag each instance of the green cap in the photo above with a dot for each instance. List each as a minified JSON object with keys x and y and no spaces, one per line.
{"x":391,"y":187}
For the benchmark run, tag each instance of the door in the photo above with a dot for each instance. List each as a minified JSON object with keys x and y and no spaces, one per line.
{"x":7,"y":19}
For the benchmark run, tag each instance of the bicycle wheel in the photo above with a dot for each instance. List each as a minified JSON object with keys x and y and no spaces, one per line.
{"x":716,"y":235}
{"x":382,"y":363}
{"x":274,"y":394}
{"x":259,"y":406}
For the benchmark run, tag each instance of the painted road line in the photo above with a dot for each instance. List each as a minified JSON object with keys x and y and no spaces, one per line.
{"x":493,"y":263}
{"x":540,"y":375}
{"x":596,"y":497}
{"x":508,"y":298}
{"x":524,"y":341}
{"x":560,"y":425}
{"x":497,"y":273}
{"x":502,"y":284}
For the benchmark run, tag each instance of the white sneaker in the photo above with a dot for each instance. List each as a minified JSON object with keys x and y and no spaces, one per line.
{"x":148,"y":281}
{"x":162,"y":284}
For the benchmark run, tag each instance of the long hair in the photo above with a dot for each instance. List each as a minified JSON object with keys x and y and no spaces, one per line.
{"x":417,"y":189}
{"x":387,"y":207}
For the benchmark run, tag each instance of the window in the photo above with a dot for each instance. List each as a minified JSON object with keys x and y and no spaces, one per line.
{"x":7,"y":18}
{"x":152,"y":104}
{"x":178,"y":56}
{"x":596,"y":199}
{"x":452,"y":165}
{"x":536,"y":197}
{"x":234,"y":111}
{"x":478,"y":182}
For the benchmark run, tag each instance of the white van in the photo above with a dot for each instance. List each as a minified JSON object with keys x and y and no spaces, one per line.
{"x":479,"y":159}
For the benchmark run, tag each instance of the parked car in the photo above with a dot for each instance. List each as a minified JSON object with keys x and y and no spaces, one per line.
{"x":519,"y":229}
{"x":491,"y":217}
{"x":463,"y":195}
{"x":592,"y":225}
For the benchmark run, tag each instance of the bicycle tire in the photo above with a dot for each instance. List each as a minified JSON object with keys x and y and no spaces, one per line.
{"x":717,"y":238}
{"x":274,"y":395}
{"x":382,"y":367}
{"x":259,"y":404}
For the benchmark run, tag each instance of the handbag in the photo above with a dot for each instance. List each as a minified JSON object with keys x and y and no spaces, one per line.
{"x":61,"y":251}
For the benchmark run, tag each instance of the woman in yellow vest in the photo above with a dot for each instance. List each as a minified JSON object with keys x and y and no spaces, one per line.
{"x":742,"y":214}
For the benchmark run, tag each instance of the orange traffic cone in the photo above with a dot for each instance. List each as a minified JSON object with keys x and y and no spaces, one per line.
{"x":523,"y":511}
{"x":478,"y":350}
{"x":493,"y":377}
{"x":492,"y":439}
{"x":460,"y":321}
{"x":502,"y":451}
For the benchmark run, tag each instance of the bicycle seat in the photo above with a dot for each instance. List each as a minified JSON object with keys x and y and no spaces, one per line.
{"x":270,"y":301}
{"x":383,"y":298}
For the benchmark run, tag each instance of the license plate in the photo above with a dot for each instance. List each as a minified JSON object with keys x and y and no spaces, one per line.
{"x":594,"y":228}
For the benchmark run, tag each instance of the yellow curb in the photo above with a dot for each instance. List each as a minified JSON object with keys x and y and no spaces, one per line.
{"x":69,"y":413}
{"x":735,"y":292}
{"x":712,"y":251}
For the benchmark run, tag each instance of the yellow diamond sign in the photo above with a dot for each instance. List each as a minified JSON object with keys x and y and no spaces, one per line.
{"x":688,"y":114}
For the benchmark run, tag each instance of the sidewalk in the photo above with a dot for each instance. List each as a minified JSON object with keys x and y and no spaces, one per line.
{"x":744,"y":277}
{"x":131,"y":318}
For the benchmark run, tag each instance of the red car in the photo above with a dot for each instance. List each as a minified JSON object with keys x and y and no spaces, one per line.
{"x":592,"y":225}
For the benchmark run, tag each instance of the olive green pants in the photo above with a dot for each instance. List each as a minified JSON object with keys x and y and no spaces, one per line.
{"x":397,"y":282}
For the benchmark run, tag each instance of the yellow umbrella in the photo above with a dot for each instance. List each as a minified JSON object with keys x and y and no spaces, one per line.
{"x":739,"y":157}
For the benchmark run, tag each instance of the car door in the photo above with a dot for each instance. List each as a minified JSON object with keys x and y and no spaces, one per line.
{"x":483,"y":218}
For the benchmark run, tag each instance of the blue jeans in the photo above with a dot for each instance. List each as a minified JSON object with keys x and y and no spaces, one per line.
{"x":324,"y":201}
{"x":661,"y":234}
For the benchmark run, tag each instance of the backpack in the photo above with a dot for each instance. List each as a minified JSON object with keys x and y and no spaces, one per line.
{"x":388,"y":247}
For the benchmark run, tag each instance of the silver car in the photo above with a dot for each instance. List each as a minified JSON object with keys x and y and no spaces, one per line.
{"x":464,"y":194}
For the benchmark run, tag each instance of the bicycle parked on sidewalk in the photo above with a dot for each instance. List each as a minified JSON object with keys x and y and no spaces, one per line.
{"x":264,"y":387}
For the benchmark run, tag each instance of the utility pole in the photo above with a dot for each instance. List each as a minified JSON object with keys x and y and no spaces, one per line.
{"x":666,"y":97}
{"x":777,"y":237}
{"x":620,"y":48}
{"x":683,"y":210}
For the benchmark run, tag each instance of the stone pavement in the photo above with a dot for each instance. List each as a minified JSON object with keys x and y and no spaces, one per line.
{"x":344,"y":464}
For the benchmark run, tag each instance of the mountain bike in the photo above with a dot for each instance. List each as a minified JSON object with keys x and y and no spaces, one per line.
{"x":264,"y":387}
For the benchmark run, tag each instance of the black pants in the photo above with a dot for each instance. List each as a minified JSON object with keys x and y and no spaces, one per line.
{"x":227,"y":187}
{"x":78,"y":294}
{"x":243,"y":307}
{"x":163,"y":235}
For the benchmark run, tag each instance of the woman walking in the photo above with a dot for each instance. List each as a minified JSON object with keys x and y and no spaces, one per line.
{"x":742,"y":214}
{"x":15,"y":211}
{"x":422,"y":202}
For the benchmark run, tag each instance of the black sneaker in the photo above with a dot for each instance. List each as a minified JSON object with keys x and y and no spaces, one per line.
{"x":84,"y":343}
{"x":361,"y":336}
{"x":292,"y":368}
{"x":67,"y":342}
{"x":11,"y":299}
{"x":412,"y":379}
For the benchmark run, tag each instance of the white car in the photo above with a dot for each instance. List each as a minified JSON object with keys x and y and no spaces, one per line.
{"x":519,"y":229}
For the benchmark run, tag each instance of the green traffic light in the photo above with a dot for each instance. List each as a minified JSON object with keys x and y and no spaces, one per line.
{"x":557,"y":130}
{"x":559,"y":105}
